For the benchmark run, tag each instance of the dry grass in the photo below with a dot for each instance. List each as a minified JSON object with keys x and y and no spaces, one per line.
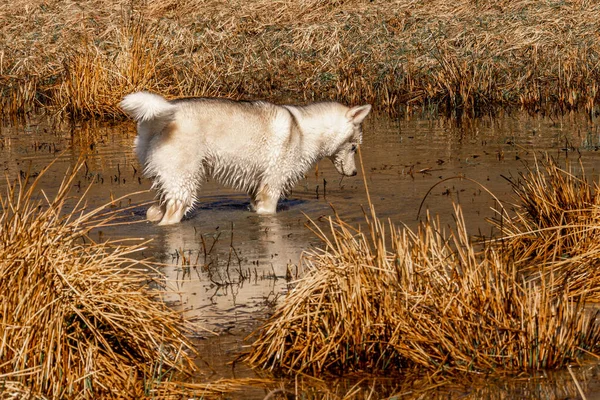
{"x":457,"y":57}
{"x":422,"y":298}
{"x":81,"y":319}
{"x":555,"y":231}
{"x":378,"y":301}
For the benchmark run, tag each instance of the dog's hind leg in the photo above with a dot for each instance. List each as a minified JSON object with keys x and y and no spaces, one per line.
{"x":155,"y":212}
{"x":177,"y":176}
{"x":177,"y":196}
{"x":174,"y":211}
{"x":176,"y":202}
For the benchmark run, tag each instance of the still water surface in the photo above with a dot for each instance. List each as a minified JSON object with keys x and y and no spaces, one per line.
{"x":227,"y":266}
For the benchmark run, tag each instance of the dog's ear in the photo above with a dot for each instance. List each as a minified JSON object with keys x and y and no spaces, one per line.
{"x":359,"y":113}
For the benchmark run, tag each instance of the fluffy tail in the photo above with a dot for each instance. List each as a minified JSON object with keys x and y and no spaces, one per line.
{"x":145,"y":106}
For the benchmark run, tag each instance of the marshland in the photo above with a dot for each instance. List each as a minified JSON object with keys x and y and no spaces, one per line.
{"x":461,"y":262}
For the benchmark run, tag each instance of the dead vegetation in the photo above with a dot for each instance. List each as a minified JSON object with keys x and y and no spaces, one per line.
{"x":458,"y":58}
{"x":387,"y":298}
{"x":81,"y":319}
{"x":555,"y":231}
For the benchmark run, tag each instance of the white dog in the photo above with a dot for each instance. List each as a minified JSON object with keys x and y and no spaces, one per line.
{"x":258,"y":147}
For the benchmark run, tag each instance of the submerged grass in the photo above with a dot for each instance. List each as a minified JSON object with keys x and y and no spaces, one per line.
{"x":81,"y":319}
{"x":388,"y":298}
{"x":457,"y":57}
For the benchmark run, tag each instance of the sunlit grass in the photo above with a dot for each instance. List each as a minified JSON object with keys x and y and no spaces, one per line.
{"x":555,"y":230}
{"x":85,"y":319}
{"x":386,"y":298}
{"x":459,"y":57}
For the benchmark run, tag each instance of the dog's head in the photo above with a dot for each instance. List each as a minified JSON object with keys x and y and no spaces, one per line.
{"x":343,"y":157}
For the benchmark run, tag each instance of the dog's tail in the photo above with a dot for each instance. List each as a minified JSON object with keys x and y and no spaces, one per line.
{"x":145,"y":106}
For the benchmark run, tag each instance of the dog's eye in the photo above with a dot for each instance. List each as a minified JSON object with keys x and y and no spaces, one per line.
{"x":353,"y":147}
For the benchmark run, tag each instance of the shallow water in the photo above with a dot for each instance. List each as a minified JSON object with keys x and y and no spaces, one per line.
{"x":227,"y":266}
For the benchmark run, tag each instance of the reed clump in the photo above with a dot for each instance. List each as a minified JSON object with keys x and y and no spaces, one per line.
{"x":555,"y":230}
{"x":420,"y":298}
{"x":82,"y":319}
{"x":388,"y":298}
{"x":459,"y":58}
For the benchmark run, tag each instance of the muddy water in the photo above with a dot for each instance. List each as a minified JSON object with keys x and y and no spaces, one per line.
{"x":227,"y":267}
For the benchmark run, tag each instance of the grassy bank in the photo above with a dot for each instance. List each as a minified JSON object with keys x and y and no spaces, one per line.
{"x":459,"y":57}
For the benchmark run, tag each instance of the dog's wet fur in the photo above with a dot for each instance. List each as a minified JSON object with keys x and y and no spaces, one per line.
{"x":257,"y":147}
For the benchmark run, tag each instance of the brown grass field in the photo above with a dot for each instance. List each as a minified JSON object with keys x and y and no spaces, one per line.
{"x":457,"y":58}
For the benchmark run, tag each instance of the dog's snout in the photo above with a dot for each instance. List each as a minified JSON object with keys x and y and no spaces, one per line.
{"x":353,"y":173}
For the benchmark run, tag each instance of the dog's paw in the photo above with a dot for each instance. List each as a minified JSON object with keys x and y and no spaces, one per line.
{"x":265,"y":211}
{"x":174,"y":211}
{"x":154,"y":213}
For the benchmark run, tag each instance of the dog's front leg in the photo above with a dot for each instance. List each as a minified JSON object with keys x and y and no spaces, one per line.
{"x":266,"y":206}
{"x":264,"y":201}
{"x":174,"y":211}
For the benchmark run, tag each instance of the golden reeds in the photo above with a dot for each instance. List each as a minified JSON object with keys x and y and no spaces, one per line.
{"x":81,"y":319}
{"x":458,"y":57}
{"x":376,"y":301}
{"x":419,"y":298}
{"x":555,"y":232}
